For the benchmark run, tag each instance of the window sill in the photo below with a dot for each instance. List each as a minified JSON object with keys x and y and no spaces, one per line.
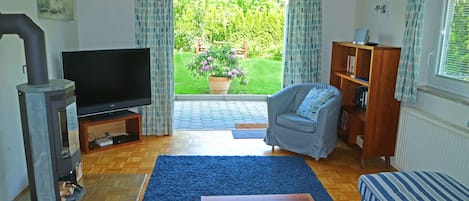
{"x":445,"y":94}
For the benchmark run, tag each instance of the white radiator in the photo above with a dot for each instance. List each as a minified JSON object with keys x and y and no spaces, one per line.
{"x":426,"y":143}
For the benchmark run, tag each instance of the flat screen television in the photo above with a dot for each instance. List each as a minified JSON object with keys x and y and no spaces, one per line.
{"x":109,"y":80}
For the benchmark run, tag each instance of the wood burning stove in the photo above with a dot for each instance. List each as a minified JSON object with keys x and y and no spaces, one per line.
{"x":48,"y":116}
{"x":50,"y":133}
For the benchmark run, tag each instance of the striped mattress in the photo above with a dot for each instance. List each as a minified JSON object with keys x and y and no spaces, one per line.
{"x":414,"y":185}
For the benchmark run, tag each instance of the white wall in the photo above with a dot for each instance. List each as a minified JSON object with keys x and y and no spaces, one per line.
{"x":389,"y":29}
{"x":341,"y":18}
{"x":453,"y":113}
{"x":59,"y":35}
{"x":106,"y":24}
{"x":386,"y":28}
{"x":97,"y":25}
{"x":338,"y":19}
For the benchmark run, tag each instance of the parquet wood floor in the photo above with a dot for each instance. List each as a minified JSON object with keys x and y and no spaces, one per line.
{"x":105,"y":187}
{"x":338,"y":173}
{"x":112,"y":187}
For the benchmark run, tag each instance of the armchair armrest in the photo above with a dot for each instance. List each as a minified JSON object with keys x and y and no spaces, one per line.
{"x":329,"y":115}
{"x":280,"y":102}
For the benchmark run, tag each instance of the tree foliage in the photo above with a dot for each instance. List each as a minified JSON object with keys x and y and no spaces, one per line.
{"x":258,"y":22}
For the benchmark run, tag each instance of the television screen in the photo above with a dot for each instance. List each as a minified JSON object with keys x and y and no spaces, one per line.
{"x":109,"y":80}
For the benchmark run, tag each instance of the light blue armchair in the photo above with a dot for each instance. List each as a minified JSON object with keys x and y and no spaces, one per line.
{"x":299,"y":134}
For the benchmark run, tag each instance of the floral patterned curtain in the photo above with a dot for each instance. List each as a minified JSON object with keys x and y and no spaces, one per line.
{"x":154,"y":29}
{"x":409,"y":65}
{"x":302,"y":52}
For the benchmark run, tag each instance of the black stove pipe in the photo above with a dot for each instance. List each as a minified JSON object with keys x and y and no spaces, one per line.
{"x":34,"y":45}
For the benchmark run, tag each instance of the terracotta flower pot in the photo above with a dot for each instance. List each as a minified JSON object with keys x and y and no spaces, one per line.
{"x":218,"y":85}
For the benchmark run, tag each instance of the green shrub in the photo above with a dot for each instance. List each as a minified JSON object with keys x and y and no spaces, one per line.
{"x":259,"y":22}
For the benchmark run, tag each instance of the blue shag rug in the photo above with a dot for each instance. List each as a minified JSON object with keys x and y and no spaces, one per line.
{"x":177,"y":178}
{"x":248,"y":133}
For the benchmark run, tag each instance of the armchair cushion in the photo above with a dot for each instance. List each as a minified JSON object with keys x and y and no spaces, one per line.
{"x":312,"y":102}
{"x":293,"y":121}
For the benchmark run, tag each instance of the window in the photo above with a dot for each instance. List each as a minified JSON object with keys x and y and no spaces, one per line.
{"x":454,"y":55}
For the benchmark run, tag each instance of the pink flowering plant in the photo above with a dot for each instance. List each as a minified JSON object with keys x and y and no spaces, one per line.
{"x":218,"y":62}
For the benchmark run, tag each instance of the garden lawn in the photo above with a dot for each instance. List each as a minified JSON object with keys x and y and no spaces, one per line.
{"x":264,"y":76}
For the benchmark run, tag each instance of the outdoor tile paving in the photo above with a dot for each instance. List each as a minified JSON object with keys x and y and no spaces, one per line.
{"x":217,"y":115}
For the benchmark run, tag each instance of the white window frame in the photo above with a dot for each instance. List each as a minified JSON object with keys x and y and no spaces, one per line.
{"x":434,"y":79}
{"x":449,"y":12}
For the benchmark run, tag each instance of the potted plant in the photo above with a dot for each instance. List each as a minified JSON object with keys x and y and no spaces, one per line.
{"x":219,"y":65}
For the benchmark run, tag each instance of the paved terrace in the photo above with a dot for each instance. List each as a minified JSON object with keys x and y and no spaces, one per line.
{"x":218,"y":112}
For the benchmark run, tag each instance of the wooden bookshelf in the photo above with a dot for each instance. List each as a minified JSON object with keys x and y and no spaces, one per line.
{"x":374,"y":67}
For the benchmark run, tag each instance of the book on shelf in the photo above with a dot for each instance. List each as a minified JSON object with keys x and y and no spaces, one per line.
{"x":350,"y":64}
{"x":361,"y":97}
{"x":364,"y":100}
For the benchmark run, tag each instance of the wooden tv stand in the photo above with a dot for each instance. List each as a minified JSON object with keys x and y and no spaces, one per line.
{"x":94,"y":127}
